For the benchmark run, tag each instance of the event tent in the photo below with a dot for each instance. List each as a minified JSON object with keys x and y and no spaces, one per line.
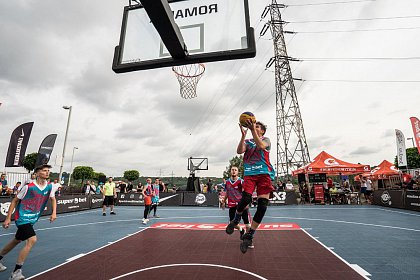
{"x":383,"y":171}
{"x":326,"y":163}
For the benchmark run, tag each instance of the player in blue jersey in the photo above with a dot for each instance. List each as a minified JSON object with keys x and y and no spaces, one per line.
{"x":233,"y":187}
{"x":29,"y":204}
{"x":258,"y":174}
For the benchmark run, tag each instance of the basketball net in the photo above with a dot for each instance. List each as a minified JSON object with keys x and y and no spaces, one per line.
{"x":188,"y":77}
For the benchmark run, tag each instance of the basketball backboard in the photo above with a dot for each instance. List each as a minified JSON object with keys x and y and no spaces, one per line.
{"x":198,"y":164}
{"x":212,"y":30}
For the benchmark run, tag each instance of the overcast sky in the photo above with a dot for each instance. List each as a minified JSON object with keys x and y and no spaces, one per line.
{"x":55,"y":53}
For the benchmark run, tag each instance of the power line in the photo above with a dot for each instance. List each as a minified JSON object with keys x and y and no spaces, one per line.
{"x":329,"y":3}
{"x":354,"y":19}
{"x":362,"y":81}
{"x":357,"y":58}
{"x":359,"y":30}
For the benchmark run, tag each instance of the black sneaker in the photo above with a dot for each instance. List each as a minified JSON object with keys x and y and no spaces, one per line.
{"x":103,"y":214}
{"x":231,"y":227}
{"x":246,"y":242}
{"x":241,"y":234}
{"x":112,"y":213}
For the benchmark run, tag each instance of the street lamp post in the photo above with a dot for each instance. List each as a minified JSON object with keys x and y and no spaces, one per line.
{"x":412,"y":140}
{"x":65,"y":142}
{"x":71,"y":165}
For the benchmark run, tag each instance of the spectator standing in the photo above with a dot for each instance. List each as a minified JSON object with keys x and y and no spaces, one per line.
{"x":110,"y":192}
{"x":369,"y":191}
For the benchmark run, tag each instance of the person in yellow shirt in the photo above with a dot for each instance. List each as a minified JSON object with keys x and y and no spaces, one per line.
{"x":109,"y":193}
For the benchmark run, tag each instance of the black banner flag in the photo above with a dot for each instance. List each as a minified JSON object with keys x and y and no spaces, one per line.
{"x":45,"y":149}
{"x":18,"y":143}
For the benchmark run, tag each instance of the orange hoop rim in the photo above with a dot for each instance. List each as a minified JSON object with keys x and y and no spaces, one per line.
{"x":189,"y":76}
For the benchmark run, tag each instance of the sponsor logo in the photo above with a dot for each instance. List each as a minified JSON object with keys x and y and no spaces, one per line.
{"x":200,"y":199}
{"x":18,"y":148}
{"x":278,"y":198}
{"x":192,"y":226}
{"x":131,"y":195}
{"x":331,"y":161}
{"x":95,"y":200}
{"x":386,"y":198}
{"x":4,"y":208}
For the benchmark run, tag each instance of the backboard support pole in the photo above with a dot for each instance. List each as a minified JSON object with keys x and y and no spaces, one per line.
{"x":161,"y":16}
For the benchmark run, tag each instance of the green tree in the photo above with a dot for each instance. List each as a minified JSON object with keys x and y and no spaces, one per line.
{"x":413,"y":158}
{"x":96,"y":175}
{"x":131,"y":175}
{"x":29,"y":161}
{"x":237,"y":161}
{"x":82,"y":173}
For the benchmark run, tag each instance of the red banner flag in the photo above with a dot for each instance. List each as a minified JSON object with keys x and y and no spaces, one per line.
{"x":416,"y":131}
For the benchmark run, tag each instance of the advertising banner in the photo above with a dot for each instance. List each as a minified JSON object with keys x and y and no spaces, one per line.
{"x":389,"y":198}
{"x":128,"y":199}
{"x":45,"y":150}
{"x":319,"y":192}
{"x":401,"y":152}
{"x":96,"y":200}
{"x":17,"y":145}
{"x":283,"y":198}
{"x":170,"y":199}
{"x":415,"y":123}
{"x":200,"y":199}
{"x":412,"y":200}
{"x":67,"y":203}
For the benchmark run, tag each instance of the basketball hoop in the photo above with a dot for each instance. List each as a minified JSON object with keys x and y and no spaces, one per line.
{"x":188,"y":77}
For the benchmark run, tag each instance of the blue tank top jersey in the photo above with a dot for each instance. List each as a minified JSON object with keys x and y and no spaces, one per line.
{"x":30,"y":207}
{"x":257,"y":161}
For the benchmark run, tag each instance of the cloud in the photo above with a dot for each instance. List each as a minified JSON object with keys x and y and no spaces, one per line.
{"x":365,"y":151}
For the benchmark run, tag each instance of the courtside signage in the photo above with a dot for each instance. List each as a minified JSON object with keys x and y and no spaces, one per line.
{"x":194,"y":226}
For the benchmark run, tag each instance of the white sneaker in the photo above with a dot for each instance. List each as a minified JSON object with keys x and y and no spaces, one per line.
{"x":2,"y":267}
{"x":17,"y":275}
{"x":145,"y":221}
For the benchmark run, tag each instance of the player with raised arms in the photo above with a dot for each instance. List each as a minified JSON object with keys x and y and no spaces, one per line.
{"x":233,"y":195}
{"x":258,"y":174}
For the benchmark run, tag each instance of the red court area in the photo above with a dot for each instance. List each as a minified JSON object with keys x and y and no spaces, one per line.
{"x":205,"y":251}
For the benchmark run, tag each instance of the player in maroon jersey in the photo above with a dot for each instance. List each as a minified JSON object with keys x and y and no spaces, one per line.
{"x":233,"y":195}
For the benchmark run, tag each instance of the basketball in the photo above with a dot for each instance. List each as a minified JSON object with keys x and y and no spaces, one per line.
{"x":246,"y":116}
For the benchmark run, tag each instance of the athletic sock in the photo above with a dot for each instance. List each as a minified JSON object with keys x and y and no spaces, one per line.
{"x":18,"y":266}
{"x":252,"y":232}
{"x":237,"y":218}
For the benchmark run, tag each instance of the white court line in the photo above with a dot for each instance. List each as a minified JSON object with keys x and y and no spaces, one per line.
{"x":190,"y":264}
{"x":97,"y":249}
{"x":332,"y":252}
{"x":399,"y":212}
{"x":345,"y":222}
{"x":75,"y":257}
{"x":360,"y":270}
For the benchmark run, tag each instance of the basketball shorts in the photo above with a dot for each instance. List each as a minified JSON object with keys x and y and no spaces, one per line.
{"x":24,"y":232}
{"x":108,"y":200}
{"x":261,"y":182}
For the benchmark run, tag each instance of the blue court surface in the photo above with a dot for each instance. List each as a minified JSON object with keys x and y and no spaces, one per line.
{"x":380,"y":243}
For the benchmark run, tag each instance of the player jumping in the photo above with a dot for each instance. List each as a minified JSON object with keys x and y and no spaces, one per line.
{"x":258,"y":173}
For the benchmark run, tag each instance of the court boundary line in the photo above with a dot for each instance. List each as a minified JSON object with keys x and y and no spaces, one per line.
{"x":97,"y":249}
{"x":335,"y":254}
{"x":346,"y":222}
{"x":191,"y":264}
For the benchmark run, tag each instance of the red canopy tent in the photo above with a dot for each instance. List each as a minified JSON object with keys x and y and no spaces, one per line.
{"x":326,"y":163}
{"x":383,"y":171}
